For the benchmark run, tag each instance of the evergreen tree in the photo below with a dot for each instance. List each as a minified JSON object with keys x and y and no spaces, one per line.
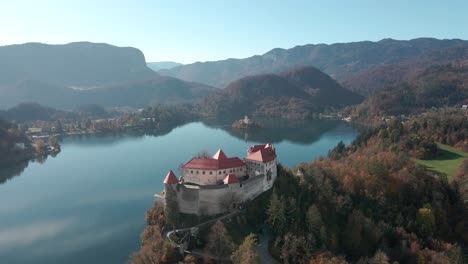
{"x":314,"y":220}
{"x":277,"y":213}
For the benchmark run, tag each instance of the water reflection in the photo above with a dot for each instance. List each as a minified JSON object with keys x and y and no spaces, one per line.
{"x":9,"y":171}
{"x":278,"y":130}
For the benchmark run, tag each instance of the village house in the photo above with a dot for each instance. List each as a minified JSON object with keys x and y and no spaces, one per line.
{"x":210,"y":186}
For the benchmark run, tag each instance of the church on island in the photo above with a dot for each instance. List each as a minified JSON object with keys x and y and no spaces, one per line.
{"x":216,"y":185}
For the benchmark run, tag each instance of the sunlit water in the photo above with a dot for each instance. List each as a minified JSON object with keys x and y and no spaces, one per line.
{"x":87,"y":205}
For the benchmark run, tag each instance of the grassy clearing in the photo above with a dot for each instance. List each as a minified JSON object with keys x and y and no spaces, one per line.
{"x":447,"y":162}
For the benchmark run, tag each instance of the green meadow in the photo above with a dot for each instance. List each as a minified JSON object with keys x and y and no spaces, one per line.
{"x":447,"y":162}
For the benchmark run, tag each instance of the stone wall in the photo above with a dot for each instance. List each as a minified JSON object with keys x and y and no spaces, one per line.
{"x":217,"y":199}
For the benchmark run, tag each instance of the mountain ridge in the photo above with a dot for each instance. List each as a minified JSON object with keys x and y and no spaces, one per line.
{"x":338,"y":60}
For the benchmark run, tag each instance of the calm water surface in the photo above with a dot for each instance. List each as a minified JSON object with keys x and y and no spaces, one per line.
{"x":87,"y":205}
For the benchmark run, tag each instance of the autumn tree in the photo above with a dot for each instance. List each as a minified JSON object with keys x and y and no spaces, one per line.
{"x":220,"y":244}
{"x":295,"y":249}
{"x":327,"y":260}
{"x":247,"y":251}
{"x":379,"y":258}
{"x":155,"y":216}
{"x":426,"y":221}
{"x":153,"y":249}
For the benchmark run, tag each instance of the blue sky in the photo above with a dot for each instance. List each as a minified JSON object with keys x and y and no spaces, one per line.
{"x":189,"y":31}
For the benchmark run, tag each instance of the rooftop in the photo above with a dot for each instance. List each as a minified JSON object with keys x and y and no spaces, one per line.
{"x":171,"y":178}
{"x":218,"y":162}
{"x":261,"y":153}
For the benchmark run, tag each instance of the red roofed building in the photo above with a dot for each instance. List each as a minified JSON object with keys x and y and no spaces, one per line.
{"x":211,"y":171}
{"x":210,"y":186}
{"x":261,"y":160}
{"x":171,"y":178}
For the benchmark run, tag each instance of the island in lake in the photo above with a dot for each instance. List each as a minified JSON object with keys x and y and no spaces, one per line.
{"x":246,"y":123}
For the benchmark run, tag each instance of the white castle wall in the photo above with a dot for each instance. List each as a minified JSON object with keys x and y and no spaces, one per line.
{"x":216,"y":198}
{"x":210,"y":177}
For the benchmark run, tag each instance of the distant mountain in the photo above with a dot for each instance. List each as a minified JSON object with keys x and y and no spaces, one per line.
{"x":436,"y":86}
{"x":70,"y":75}
{"x":393,"y":75}
{"x":298,"y":93}
{"x":339,"y":60}
{"x":161,"y":65}
{"x":81,"y":65}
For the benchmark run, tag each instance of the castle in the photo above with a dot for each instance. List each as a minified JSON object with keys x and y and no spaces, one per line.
{"x":216,"y":185}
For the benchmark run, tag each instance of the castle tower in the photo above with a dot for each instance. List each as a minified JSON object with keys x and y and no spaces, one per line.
{"x":219,"y":155}
{"x":170,"y":179}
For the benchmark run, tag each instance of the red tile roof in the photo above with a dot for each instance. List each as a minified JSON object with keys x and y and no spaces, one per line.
{"x":261,"y":154}
{"x":171,"y":178}
{"x":231,"y":178}
{"x":256,"y":148}
{"x":219,"y":155}
{"x":218,"y":162}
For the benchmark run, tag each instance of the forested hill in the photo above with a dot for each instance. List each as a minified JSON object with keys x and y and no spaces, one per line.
{"x":32,"y":111}
{"x":382,"y":77}
{"x":298,"y":93}
{"x":339,"y":60}
{"x":436,"y":86}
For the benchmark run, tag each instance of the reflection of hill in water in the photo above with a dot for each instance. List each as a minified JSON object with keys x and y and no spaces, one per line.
{"x":115,"y":138}
{"x":277,"y":130}
{"x":10,"y":171}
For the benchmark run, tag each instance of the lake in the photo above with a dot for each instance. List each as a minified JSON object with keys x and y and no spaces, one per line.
{"x":87,"y":205}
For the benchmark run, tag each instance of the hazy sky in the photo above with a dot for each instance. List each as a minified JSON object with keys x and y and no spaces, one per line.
{"x":198,"y":30}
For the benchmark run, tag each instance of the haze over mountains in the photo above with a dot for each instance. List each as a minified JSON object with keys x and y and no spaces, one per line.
{"x":339,"y":60}
{"x":66,"y":76}
{"x":161,"y":65}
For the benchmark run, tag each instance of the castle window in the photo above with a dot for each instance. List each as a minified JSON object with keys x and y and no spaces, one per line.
{"x":211,"y":172}
{"x":191,"y":171}
{"x":224,"y":172}
{"x":198,"y":172}
{"x":203,"y":172}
